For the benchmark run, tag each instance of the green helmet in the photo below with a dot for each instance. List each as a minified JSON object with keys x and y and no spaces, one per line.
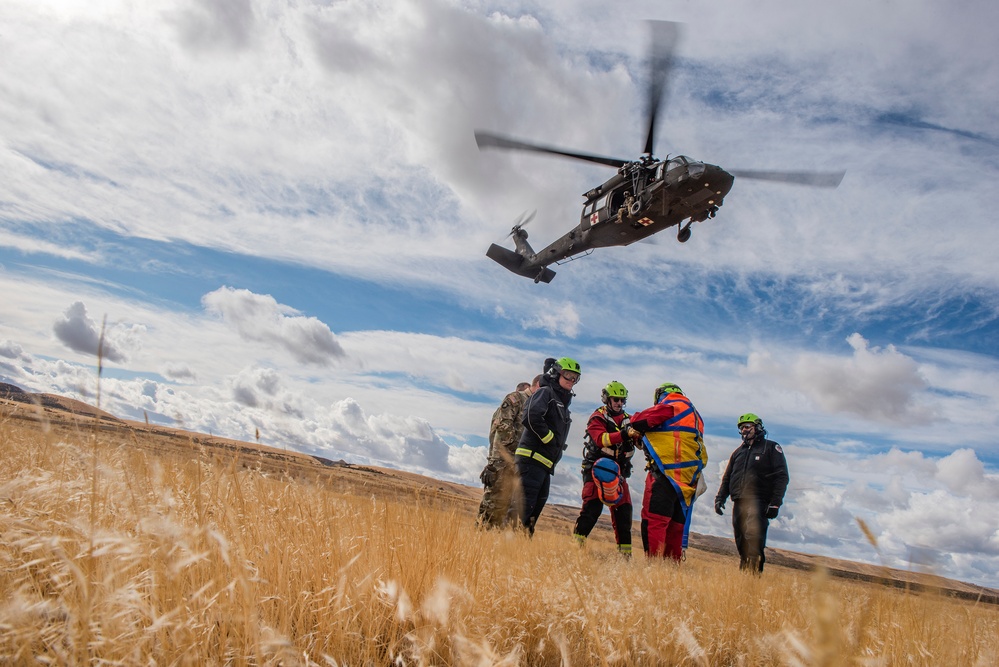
{"x":568,"y":364}
{"x":614,"y":389}
{"x":749,"y":418}
{"x":667,"y":388}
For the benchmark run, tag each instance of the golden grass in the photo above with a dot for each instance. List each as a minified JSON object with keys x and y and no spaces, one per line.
{"x":114,"y":555}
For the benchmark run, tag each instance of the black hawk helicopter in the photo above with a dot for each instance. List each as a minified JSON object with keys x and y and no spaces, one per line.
{"x":645,"y":196}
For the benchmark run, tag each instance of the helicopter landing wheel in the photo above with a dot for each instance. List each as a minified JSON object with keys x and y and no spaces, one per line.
{"x":683,"y":235}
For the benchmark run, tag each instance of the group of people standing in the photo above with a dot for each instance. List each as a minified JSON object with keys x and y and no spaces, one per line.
{"x":528,"y":437}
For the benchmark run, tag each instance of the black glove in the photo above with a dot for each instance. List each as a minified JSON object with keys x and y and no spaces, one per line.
{"x":772,"y":511}
{"x":719,"y":506}
{"x":488,"y":476}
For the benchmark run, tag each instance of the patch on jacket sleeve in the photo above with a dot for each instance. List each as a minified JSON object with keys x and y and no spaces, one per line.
{"x":777,"y":447}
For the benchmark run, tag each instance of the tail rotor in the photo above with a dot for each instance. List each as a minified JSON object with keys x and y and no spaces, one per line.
{"x":522,"y":221}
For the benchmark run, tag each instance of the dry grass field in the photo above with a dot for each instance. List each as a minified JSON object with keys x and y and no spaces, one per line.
{"x":127,"y":544}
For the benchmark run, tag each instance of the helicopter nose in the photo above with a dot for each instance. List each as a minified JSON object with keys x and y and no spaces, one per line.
{"x":719,"y":180}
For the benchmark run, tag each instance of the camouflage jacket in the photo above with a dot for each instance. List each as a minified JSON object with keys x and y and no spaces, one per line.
{"x":505,"y":428}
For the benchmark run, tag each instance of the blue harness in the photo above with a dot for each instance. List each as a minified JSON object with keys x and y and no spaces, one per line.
{"x":688,"y":508}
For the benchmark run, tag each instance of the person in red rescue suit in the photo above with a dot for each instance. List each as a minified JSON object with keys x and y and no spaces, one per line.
{"x":756,"y":478}
{"x":546,"y":426}
{"x":674,"y":447}
{"x":608,"y":436}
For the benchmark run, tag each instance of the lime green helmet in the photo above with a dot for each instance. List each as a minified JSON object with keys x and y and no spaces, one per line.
{"x":568,"y":364}
{"x":614,"y":389}
{"x":749,"y":418}
{"x":667,"y":388}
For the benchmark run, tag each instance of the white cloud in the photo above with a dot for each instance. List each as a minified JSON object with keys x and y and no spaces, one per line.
{"x":179,"y":372}
{"x":213,"y":25}
{"x":964,"y":475}
{"x":80,"y":334}
{"x":556,"y":319}
{"x":10,"y":349}
{"x":256,"y":386}
{"x":261,"y":318}
{"x":32,"y":245}
{"x":873,"y":383}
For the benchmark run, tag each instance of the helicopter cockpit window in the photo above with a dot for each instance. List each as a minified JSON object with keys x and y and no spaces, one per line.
{"x":676,"y":163}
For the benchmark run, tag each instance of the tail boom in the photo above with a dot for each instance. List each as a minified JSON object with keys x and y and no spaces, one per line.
{"x":514,"y":262}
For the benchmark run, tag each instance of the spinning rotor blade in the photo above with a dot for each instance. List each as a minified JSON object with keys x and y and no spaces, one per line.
{"x":819,"y":179}
{"x":487,"y":140}
{"x":522,"y":221}
{"x":664,"y":36}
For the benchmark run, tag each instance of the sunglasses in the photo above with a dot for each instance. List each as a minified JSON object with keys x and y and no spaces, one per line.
{"x":618,"y":400}
{"x":571,"y":377}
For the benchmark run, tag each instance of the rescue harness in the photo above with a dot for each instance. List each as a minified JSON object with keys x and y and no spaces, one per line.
{"x":670,"y":425}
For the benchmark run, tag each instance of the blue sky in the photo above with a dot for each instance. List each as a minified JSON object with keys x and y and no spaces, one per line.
{"x":280,"y":213}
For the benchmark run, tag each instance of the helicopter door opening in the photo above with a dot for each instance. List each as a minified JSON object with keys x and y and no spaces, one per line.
{"x":614,"y":204}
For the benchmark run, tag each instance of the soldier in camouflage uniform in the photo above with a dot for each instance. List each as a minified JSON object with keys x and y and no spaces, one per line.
{"x":499,"y":477}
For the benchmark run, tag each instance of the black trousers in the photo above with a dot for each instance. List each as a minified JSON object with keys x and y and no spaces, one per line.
{"x":535,"y":483}
{"x":749,"y":522}
{"x":592,"y":508}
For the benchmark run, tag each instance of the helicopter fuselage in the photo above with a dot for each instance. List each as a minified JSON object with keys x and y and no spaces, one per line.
{"x":642,"y":199}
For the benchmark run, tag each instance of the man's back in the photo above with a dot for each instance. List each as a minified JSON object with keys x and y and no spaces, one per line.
{"x":506,"y":426}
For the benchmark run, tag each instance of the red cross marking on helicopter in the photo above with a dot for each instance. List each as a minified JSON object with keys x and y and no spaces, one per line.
{"x":645,"y":222}
{"x":594,"y":218}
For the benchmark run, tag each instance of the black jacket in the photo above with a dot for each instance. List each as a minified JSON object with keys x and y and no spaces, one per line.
{"x":756,"y":469}
{"x":546,"y":417}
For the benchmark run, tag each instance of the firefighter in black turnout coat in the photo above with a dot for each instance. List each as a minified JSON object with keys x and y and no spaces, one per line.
{"x":756,"y":479}
{"x":546,"y":427}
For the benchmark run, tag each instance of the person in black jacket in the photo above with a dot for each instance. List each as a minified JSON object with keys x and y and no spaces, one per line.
{"x":546,"y":426}
{"x":756,"y":479}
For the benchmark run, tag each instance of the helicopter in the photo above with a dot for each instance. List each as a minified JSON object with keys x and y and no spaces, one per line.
{"x":645,"y":196}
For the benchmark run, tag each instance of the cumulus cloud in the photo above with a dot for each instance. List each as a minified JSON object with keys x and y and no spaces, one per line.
{"x":555,"y":319}
{"x":941,"y":513}
{"x":80,"y":333}
{"x":400,"y":440}
{"x":960,"y":473}
{"x":179,"y":372}
{"x":260,"y":318}
{"x":255,"y":387}
{"x":874,"y":383}
{"x":10,"y":349}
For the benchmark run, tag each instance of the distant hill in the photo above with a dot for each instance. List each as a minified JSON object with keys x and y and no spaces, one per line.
{"x":54,"y":402}
{"x":64,"y":415}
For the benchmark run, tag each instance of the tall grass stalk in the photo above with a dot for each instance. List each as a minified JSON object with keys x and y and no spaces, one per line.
{"x":115,"y":555}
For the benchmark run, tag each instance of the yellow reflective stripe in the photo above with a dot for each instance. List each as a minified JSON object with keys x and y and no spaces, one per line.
{"x":548,"y":463}
{"x":605,"y":440}
{"x":548,"y":438}
{"x":531,"y":454}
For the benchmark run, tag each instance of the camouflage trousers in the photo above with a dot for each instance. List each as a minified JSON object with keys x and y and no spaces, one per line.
{"x":500,"y":499}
